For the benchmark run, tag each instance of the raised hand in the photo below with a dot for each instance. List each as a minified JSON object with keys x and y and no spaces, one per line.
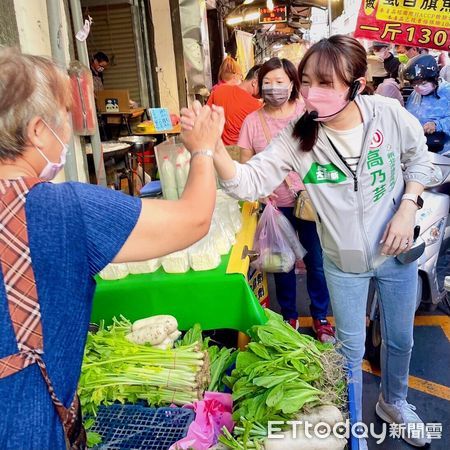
{"x":201,"y":127}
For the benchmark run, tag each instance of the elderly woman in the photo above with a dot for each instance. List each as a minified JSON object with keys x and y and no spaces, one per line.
{"x":56,"y":237}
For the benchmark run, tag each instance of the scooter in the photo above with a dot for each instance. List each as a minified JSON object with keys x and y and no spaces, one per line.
{"x":430,"y":247}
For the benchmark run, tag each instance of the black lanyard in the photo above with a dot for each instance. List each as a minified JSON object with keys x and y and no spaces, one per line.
{"x":353,"y":172}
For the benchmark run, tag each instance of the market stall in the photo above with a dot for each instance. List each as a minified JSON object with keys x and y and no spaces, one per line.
{"x":153,"y":348}
{"x":219,"y":298}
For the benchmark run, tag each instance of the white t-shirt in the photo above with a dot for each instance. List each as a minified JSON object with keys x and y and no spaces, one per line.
{"x":348,"y":143}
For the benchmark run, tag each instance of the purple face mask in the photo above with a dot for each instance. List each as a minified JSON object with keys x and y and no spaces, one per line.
{"x":52,"y":169}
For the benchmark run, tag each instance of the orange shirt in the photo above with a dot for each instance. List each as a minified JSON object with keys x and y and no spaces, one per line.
{"x":237,"y":104}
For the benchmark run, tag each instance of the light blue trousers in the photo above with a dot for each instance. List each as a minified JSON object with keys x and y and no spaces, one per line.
{"x":397,"y":289}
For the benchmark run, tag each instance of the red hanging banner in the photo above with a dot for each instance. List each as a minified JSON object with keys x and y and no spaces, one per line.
{"x":419,"y":23}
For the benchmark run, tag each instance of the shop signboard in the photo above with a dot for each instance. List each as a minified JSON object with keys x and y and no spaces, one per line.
{"x":161,"y":119}
{"x":275,"y":15}
{"x":420,"y":23}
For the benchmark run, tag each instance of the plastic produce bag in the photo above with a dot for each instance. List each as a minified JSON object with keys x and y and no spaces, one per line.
{"x":177,"y":262}
{"x":275,"y":252}
{"x":203,"y":255}
{"x":211,"y":414}
{"x":219,"y":237}
{"x":114,"y":272}
{"x":149,"y":266}
{"x":291,"y":236}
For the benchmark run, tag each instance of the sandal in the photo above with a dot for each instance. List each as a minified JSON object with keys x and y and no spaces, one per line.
{"x":324,"y":331}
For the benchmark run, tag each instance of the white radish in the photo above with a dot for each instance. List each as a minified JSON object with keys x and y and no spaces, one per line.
{"x":153,"y":335}
{"x":169,"y":322}
{"x":299,"y":441}
{"x":323,"y":413}
{"x":165,"y":344}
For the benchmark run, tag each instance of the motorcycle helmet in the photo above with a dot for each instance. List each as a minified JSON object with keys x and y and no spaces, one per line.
{"x":421,"y":68}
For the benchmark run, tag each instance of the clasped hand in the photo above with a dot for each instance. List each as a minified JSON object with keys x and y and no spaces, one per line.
{"x":201,"y":126}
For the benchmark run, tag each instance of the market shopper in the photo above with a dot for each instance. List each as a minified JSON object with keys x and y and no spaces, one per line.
{"x":99,"y":63}
{"x":391,"y":63}
{"x":279,"y":87}
{"x":364,"y":163}
{"x":230,"y":73}
{"x":430,"y":101}
{"x":238,"y":101}
{"x":56,"y":237}
{"x":390,"y":88}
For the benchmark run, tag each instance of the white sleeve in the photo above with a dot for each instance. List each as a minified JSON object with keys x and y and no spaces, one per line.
{"x":264,"y":172}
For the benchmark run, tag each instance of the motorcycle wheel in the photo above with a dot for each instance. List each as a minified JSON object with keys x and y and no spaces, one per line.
{"x":373,"y":331}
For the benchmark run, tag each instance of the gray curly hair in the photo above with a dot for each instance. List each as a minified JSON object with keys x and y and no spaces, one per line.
{"x":30,"y":86}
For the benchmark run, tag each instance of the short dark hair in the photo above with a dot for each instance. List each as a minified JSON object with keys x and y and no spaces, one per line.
{"x":101,"y":57}
{"x":253,"y":72}
{"x":288,"y":67}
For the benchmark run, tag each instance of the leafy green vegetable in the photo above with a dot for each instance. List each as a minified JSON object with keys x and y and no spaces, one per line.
{"x":93,"y":439}
{"x":280,"y":373}
{"x":115,"y":369}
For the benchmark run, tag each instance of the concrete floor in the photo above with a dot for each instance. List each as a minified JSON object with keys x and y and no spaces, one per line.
{"x":429,"y":371}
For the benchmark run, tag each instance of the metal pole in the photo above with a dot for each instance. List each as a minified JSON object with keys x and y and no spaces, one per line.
{"x":330,"y":19}
{"x":83,"y":56}
{"x":58,"y":43}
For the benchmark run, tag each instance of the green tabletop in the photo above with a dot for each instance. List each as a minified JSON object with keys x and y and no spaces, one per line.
{"x":212,"y":298}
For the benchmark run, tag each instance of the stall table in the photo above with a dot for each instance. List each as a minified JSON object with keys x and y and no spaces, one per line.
{"x":216,"y":299}
{"x":123,"y":118}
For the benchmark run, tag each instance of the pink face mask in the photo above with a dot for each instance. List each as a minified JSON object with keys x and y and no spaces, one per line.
{"x":326,"y":102}
{"x":424,"y":89}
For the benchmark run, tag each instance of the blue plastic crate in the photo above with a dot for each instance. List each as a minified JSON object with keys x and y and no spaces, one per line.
{"x":136,"y":427}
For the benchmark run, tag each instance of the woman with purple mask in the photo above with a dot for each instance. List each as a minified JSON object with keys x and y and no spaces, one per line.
{"x":364,"y":162}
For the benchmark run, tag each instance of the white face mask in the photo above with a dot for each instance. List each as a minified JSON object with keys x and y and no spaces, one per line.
{"x":52,"y":169}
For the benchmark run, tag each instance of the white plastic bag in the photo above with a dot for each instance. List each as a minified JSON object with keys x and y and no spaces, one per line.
{"x":149,"y":266}
{"x":177,"y":262}
{"x":275,"y":252}
{"x":114,"y":272}
{"x":291,"y":236}
{"x":203,"y":255}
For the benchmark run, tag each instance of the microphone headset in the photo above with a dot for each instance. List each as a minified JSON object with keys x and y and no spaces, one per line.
{"x":353,"y":92}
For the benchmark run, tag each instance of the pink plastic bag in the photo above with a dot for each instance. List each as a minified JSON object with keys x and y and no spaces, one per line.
{"x":211,"y":415}
{"x":275,"y":254}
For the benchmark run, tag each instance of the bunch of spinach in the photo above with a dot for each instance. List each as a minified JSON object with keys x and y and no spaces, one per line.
{"x":280,"y":373}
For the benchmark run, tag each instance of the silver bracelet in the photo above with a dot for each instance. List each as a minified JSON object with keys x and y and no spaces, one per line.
{"x":206,"y":152}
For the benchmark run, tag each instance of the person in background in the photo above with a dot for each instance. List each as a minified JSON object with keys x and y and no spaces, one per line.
{"x":411,"y":51}
{"x":99,"y":63}
{"x":279,"y":88}
{"x":57,"y":237}
{"x":390,"y":62}
{"x":238,"y":101}
{"x":401,"y":53}
{"x":364,"y":162}
{"x":430,"y":101}
{"x":445,"y":70}
{"x":230,"y":72}
{"x":390,"y":88}
{"x":376,"y":72}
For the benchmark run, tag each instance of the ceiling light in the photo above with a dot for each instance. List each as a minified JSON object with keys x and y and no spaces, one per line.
{"x":235,"y":20}
{"x":252,"y":16}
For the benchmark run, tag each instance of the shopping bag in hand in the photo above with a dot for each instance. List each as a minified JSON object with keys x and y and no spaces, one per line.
{"x":274,"y":251}
{"x":290,"y":235}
